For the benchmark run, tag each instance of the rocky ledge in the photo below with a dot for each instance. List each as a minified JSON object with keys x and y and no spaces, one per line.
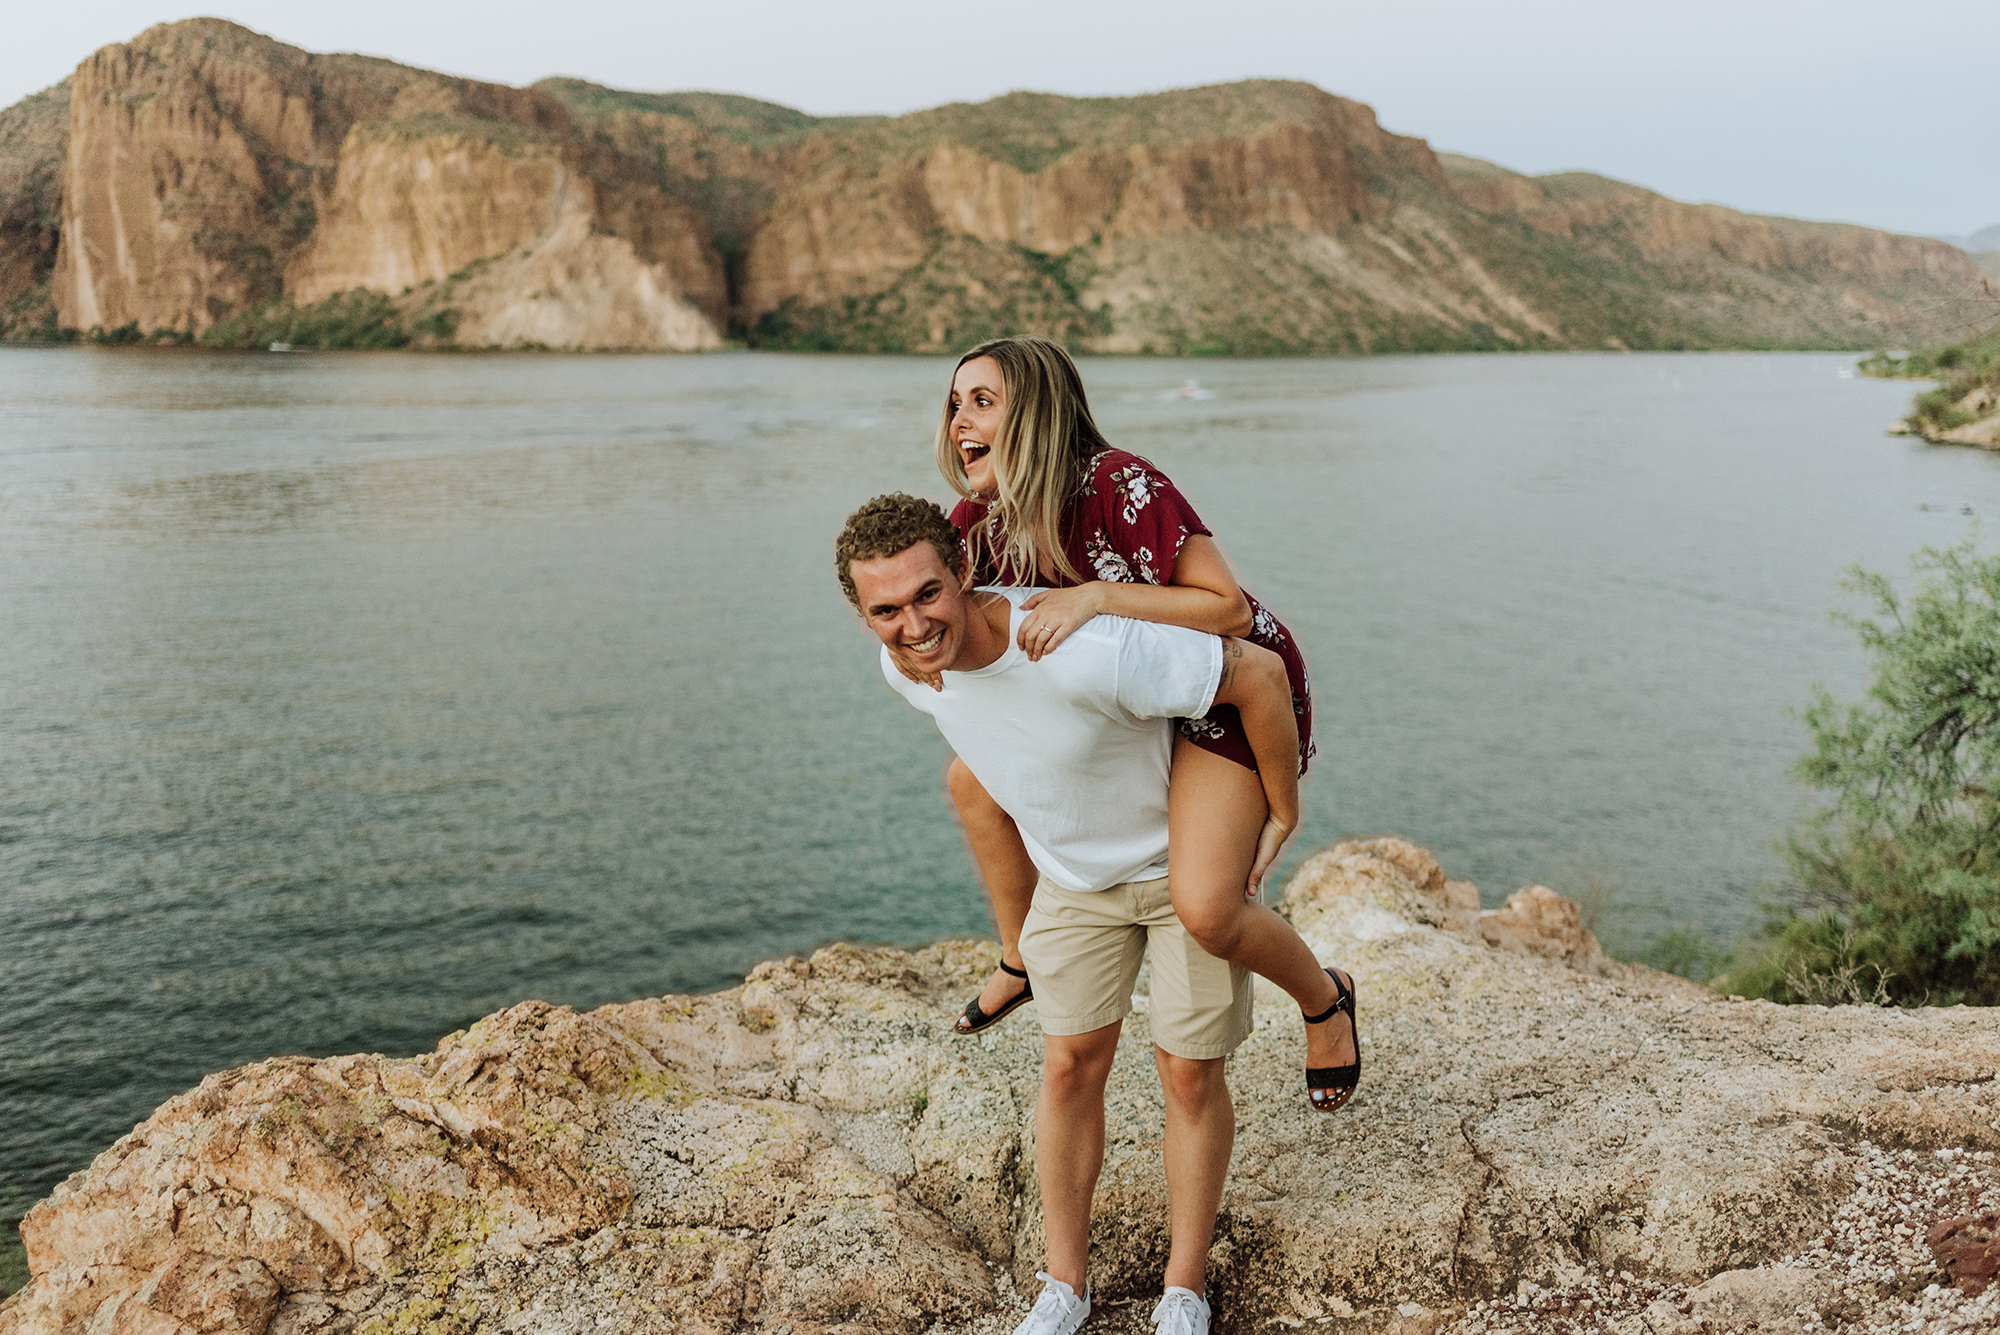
{"x":1981,"y":405}
{"x":1543,"y":1140}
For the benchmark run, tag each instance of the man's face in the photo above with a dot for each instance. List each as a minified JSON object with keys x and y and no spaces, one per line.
{"x":915,"y":605}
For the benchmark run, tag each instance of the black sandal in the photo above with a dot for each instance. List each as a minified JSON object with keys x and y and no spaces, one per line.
{"x":975,"y":1019}
{"x":1339,"y":1081}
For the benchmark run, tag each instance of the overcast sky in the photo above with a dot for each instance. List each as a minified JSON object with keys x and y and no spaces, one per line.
{"x":1865,"y":112}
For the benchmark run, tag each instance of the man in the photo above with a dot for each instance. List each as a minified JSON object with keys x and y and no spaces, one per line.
{"x":1076,"y":748}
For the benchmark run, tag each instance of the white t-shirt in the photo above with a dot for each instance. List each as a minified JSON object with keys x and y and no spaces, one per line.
{"x":1076,"y":748}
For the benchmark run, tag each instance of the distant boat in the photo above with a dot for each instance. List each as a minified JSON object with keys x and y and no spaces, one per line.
{"x":1190,"y":390}
{"x":281,"y":347}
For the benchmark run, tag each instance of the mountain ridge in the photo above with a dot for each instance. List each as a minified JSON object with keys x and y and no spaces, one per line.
{"x":205,"y":182}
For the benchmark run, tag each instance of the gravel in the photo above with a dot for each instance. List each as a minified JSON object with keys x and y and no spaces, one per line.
{"x":1890,"y":1281}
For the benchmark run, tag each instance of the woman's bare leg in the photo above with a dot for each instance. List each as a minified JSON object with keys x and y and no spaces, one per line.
{"x":1006,"y":874}
{"x":1215,"y":810}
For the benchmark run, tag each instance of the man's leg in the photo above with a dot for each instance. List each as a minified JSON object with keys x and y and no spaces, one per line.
{"x":1006,"y":873}
{"x":1201,"y":1131}
{"x":1069,"y":1144}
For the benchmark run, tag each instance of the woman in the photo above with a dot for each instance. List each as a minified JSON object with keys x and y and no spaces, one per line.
{"x":1046,"y":499}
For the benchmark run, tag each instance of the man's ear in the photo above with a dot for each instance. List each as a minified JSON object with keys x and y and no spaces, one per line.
{"x":956,"y":568}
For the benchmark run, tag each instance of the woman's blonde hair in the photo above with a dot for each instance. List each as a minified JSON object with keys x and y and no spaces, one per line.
{"x":1045,"y":441}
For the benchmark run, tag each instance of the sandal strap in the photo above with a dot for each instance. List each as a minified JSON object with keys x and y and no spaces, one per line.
{"x":1327,"y":1014}
{"x":1333,"y":1077}
{"x":1343,"y":1000}
{"x":1005,"y":967}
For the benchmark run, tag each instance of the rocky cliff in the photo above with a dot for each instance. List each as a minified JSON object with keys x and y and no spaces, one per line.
{"x":208,"y":170}
{"x":1543,"y":1140}
{"x":205,"y":172}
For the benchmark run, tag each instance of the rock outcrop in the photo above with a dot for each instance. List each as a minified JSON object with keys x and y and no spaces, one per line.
{"x":205,"y":172}
{"x":209,"y":170}
{"x":1982,"y":405}
{"x":814,"y":1151}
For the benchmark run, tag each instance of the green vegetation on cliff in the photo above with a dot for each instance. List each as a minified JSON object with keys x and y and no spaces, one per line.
{"x":356,"y":318}
{"x":32,"y":132}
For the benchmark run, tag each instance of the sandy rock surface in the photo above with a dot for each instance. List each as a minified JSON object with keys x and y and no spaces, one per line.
{"x":1544,"y":1139}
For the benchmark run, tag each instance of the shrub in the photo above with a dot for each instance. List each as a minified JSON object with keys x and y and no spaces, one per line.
{"x":1938,"y":408}
{"x":1900,"y":873}
{"x":123,"y":336}
{"x":357,"y":318}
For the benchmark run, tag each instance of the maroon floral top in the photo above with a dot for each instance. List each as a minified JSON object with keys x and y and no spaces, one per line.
{"x":1126,"y":526}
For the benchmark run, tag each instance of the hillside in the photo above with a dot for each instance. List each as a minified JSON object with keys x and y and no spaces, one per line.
{"x":32,"y":136}
{"x":204,"y":182}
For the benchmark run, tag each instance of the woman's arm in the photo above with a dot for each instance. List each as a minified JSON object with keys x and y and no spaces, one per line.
{"x":1204,"y":596}
{"x":1254,"y":680}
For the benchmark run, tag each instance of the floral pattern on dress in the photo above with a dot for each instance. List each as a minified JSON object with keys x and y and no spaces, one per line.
{"x":1202,"y":729}
{"x":1112,"y":566}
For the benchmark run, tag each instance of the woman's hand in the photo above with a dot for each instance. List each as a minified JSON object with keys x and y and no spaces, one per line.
{"x":1271,"y":842}
{"x":1054,"y":613}
{"x":934,"y":680}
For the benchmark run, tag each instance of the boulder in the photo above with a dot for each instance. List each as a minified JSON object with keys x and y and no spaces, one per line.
{"x":1538,"y":921}
{"x":814,"y":1151}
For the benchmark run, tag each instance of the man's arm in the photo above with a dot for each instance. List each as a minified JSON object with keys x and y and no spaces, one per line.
{"x":1253,"y":680}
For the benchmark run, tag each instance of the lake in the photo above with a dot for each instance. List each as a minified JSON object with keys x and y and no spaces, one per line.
{"x":347,"y":698}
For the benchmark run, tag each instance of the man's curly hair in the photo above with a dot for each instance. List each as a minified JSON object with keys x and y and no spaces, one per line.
{"x":889,"y":526}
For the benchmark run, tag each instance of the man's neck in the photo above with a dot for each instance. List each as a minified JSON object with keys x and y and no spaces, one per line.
{"x":986,"y":632}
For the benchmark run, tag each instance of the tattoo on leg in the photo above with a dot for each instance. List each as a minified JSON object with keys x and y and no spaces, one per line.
{"x":1232,"y":655}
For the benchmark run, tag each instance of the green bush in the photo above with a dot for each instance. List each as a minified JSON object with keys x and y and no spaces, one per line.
{"x":356,"y":318}
{"x":1900,"y":874}
{"x":1938,"y":408}
{"x":123,"y":336}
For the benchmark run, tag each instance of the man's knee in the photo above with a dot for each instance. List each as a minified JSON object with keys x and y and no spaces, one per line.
{"x":1188,"y":1081}
{"x":1076,"y":1065}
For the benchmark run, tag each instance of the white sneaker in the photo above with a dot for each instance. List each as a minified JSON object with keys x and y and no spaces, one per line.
{"x":1059,"y":1311}
{"x":1181,"y":1312}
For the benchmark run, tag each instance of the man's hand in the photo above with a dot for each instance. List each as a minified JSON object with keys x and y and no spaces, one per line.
{"x":934,"y":680}
{"x":1271,"y":841}
{"x":1054,"y":613}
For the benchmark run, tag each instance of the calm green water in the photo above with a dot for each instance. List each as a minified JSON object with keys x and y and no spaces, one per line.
{"x":344,"y":699}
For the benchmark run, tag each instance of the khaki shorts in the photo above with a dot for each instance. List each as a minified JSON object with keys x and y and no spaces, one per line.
{"x":1083,"y":951}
